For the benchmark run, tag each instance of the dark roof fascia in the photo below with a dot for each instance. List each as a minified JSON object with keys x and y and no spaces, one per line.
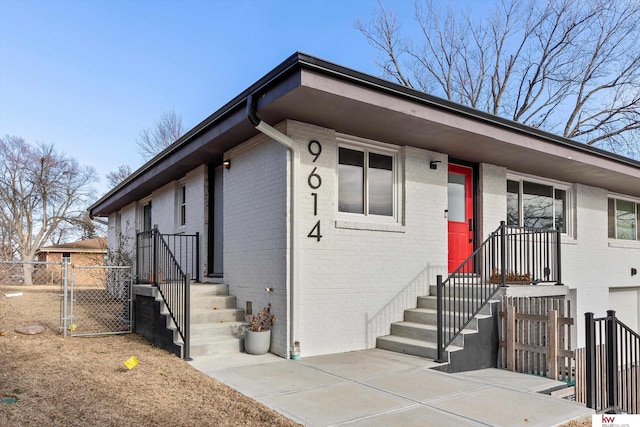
{"x":299,"y":61}
{"x":289,"y":65}
{"x":389,"y":87}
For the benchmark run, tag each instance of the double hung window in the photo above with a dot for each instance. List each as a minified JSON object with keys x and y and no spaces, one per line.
{"x":624,"y":219}
{"x":367,"y":181}
{"x":182,"y":198}
{"x":538,"y":205}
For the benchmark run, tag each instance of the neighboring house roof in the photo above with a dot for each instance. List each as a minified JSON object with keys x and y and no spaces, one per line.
{"x":97,"y":245}
{"x":315,"y":91}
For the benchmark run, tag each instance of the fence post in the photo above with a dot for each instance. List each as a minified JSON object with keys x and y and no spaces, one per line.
{"x":559,"y":257}
{"x":187,"y":317}
{"x":611,"y":337}
{"x":553,"y":344}
{"x":439,"y":318}
{"x":154,"y":252}
{"x":590,"y":359}
{"x":65,"y":295}
{"x":503,"y":254}
{"x":197,"y":256}
{"x":511,"y":338}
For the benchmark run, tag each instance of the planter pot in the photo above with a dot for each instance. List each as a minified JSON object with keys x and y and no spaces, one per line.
{"x":257,"y":342}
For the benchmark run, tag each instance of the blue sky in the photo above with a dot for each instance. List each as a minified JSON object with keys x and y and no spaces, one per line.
{"x":89,"y":75}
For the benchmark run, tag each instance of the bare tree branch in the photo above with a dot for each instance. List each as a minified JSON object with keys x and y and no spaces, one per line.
{"x":116,"y":177}
{"x":167,"y":130}
{"x":568,"y":67}
{"x":382,"y":33}
{"x":40,"y":190}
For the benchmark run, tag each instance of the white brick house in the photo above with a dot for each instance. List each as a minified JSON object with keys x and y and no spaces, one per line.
{"x":351,"y":221}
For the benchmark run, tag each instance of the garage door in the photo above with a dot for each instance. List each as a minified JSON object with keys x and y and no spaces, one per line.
{"x":626,"y":303}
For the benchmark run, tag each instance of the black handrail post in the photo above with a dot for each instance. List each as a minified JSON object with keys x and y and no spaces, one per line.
{"x":558,"y":257}
{"x":503,"y":254}
{"x":611,"y":337}
{"x":590,"y":359}
{"x":154,"y":252}
{"x":197,"y":256}
{"x":138,"y":256}
{"x":187,"y":317}
{"x":439,"y":318}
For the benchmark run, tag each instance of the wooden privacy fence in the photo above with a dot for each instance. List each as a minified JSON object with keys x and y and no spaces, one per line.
{"x":535,"y":337}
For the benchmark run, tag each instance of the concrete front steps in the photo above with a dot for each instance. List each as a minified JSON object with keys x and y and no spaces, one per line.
{"x":417,"y":335}
{"x":217,"y":326}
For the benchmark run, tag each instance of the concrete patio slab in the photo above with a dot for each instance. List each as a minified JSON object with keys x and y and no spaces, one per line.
{"x":422,"y":385}
{"x":415,"y":416}
{"x":383,"y":388}
{"x":223,"y":361}
{"x":268,"y":379}
{"x":335,"y":404}
{"x":512,"y":380}
{"x":358,"y":365}
{"x":499,"y":406}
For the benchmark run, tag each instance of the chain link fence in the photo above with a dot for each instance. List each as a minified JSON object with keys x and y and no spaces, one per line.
{"x":15,"y":273}
{"x":99,"y":300}
{"x":94,"y":300}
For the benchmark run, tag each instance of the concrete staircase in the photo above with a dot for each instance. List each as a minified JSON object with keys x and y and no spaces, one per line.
{"x":217,"y":326}
{"x":417,"y":333}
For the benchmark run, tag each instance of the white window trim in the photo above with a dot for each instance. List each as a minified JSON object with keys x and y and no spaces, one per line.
{"x":350,"y":220}
{"x":140,"y":212}
{"x":178,"y":205}
{"x":614,"y":241}
{"x":570,"y":220}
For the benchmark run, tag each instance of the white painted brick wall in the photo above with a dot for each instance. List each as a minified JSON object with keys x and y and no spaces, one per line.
{"x":356,"y":281}
{"x":255,"y":230}
{"x":591,"y":262}
{"x":492,"y":199}
{"x":359,"y":278}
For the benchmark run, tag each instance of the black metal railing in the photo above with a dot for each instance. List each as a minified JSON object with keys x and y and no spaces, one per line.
{"x":184,"y":247}
{"x":612,"y":365}
{"x":509,"y":255}
{"x":157,"y":264}
{"x":174,"y":287}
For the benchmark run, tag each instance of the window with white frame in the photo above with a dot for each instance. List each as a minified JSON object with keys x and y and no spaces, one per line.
{"x":623,"y":218}
{"x":367,"y":181}
{"x":182,"y":204}
{"x":538,"y":204}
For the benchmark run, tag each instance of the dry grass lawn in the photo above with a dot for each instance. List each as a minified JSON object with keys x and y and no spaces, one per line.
{"x":79,"y":381}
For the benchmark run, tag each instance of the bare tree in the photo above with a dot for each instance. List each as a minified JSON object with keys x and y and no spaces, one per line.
{"x":116,"y":177}
{"x":571,"y":68}
{"x":165,"y":132}
{"x":40,"y":190}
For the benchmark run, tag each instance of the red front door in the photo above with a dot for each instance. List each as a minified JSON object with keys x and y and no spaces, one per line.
{"x":460,"y":214}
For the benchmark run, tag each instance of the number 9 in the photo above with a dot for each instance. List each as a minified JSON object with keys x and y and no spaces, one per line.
{"x":315,"y":149}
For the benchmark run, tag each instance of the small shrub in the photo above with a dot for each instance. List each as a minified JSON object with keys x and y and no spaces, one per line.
{"x":263,"y":321}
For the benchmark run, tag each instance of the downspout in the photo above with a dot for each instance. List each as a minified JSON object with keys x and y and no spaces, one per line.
{"x":291,"y":146}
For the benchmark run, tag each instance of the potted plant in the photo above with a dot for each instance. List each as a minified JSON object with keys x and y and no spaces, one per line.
{"x":257,"y":337}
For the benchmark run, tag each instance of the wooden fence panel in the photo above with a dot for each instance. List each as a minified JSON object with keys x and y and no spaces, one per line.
{"x":628,"y":380}
{"x":535,"y":337}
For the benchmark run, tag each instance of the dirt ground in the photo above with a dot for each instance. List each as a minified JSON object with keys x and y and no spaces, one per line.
{"x":83,"y":381}
{"x":80,"y":381}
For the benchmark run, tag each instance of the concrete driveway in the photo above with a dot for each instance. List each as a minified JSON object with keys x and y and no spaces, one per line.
{"x":382,"y":388}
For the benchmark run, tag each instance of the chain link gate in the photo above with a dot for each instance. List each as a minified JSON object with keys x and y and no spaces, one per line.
{"x":96,"y":300}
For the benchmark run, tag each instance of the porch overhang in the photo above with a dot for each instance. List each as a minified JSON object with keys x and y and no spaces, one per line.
{"x":314,"y":91}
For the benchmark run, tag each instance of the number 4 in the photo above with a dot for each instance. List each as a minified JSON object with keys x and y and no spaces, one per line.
{"x":315,"y":232}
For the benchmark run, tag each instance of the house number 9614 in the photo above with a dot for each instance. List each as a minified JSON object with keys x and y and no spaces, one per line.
{"x":314,"y":181}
